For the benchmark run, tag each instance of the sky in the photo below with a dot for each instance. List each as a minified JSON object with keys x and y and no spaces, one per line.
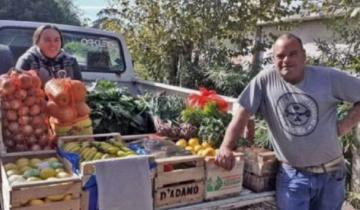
{"x":89,"y":8}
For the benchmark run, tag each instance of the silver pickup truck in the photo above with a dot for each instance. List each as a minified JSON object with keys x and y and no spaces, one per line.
{"x":104,"y":55}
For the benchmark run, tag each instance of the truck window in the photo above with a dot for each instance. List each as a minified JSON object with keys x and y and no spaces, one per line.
{"x":94,"y":53}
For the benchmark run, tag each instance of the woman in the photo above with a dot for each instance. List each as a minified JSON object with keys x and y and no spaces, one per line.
{"x":47,"y":57}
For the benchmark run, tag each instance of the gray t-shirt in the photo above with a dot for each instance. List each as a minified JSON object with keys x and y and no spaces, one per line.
{"x":302,"y":117}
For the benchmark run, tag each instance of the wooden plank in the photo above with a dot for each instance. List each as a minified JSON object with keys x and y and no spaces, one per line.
{"x":78,"y":138}
{"x":61,"y":205}
{"x":73,"y":188}
{"x":181,"y":159}
{"x":182,"y":194}
{"x":180,"y":175}
{"x":84,"y":200}
{"x":130,"y":138}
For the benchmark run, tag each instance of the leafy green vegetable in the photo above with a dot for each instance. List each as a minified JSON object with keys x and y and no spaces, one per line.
{"x":166,"y":107}
{"x":212,"y":122}
{"x":116,"y":110}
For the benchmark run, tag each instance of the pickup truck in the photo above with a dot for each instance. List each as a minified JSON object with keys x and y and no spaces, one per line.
{"x":104,"y":55}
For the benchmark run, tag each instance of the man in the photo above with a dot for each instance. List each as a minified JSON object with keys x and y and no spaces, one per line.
{"x":299,"y":104}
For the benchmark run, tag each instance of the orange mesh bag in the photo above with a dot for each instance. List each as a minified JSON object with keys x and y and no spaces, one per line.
{"x":69,"y":113}
{"x":23,"y":107}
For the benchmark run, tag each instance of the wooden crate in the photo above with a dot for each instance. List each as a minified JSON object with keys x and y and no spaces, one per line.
{"x":259,"y":183}
{"x":182,"y":184}
{"x":14,"y":195}
{"x":220,"y":182}
{"x":88,"y":167}
{"x":260,"y":162}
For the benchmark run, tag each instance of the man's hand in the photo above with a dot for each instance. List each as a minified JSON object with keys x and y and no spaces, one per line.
{"x":350,"y":121}
{"x":342,"y":129}
{"x":225,"y":158}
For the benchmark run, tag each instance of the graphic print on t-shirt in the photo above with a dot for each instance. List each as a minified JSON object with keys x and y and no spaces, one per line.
{"x":298,"y":113}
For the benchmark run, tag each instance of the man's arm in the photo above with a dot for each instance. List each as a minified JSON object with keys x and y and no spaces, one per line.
{"x":236,"y":127}
{"x":351,"y":119}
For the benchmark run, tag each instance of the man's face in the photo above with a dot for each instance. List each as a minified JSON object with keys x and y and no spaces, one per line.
{"x":289,"y":59}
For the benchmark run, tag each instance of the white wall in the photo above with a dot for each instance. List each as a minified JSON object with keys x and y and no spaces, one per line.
{"x":308,"y":31}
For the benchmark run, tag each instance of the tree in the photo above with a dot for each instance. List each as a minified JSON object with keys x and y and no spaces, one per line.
{"x":189,"y":43}
{"x":54,"y":11}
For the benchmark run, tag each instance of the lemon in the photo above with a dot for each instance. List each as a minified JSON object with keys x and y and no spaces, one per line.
{"x":22,"y":162}
{"x":10,"y":166}
{"x":197,"y":148}
{"x":24,"y":168}
{"x":12,"y":172}
{"x":194,"y":141}
{"x":209,"y":152}
{"x":56,"y":197}
{"x":31,"y":172}
{"x":59,"y":170}
{"x":52,"y":159}
{"x":36,"y":202}
{"x":67,"y":197}
{"x":181,"y":143}
{"x":190,"y":148}
{"x":34,"y":162}
{"x":205,"y":144}
{"x":16,"y":179}
{"x":200,"y":151}
{"x":31,"y":179}
{"x":47,"y":173}
{"x":62,"y":174}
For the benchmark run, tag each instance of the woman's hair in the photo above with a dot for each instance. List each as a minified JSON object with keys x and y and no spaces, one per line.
{"x":40,"y":29}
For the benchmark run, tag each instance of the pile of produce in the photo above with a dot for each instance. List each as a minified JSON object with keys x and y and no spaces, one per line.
{"x":25,"y":170}
{"x":35,"y":169}
{"x":210,"y":120}
{"x":116,"y":110}
{"x":166,"y":111}
{"x":67,"y":100}
{"x":95,"y":150}
{"x":23,"y":107}
{"x":195,"y":146}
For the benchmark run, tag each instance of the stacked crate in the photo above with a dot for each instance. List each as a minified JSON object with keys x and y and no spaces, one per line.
{"x":260,"y":169}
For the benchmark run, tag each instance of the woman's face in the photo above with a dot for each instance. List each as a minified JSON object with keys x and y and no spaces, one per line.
{"x":49,"y":43}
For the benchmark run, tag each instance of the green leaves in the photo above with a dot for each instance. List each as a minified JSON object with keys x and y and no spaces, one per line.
{"x":182,"y":42}
{"x":166,"y":107}
{"x":53,"y":11}
{"x":115,"y":110}
{"x":210,"y":120}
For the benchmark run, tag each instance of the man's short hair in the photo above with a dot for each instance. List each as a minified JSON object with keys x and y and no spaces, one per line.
{"x":290,"y":36}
